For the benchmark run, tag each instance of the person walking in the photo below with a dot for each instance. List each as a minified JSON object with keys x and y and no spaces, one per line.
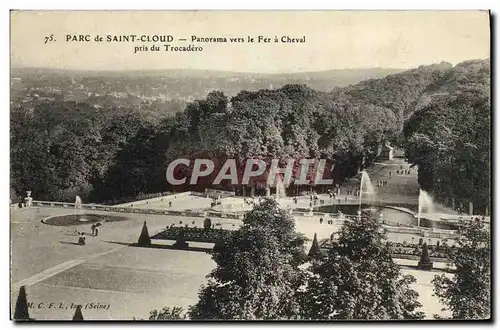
{"x":96,"y":231}
{"x":93,"y":229}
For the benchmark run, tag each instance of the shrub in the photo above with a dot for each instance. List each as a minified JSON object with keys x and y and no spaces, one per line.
{"x":207,"y":224}
{"x":425,"y":262}
{"x":144,"y":239}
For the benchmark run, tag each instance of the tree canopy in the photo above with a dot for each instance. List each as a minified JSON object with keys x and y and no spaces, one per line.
{"x":257,"y":273}
{"x":358,"y":279}
{"x":467,"y":293}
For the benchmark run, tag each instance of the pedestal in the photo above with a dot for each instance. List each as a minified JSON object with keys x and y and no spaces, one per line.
{"x":425,"y":265}
{"x":28,"y":201}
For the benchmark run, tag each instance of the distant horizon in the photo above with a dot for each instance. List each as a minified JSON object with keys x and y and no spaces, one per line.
{"x":247,"y":72}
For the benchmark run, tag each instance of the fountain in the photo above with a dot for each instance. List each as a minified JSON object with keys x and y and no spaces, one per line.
{"x":367,"y":188}
{"x":425,"y":203}
{"x":78,"y":209}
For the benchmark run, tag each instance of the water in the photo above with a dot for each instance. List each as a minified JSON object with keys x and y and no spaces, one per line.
{"x":425,"y":205}
{"x":366,"y":188}
{"x":280,"y":188}
{"x":78,"y":202}
{"x":78,"y":209}
{"x":391,"y":216}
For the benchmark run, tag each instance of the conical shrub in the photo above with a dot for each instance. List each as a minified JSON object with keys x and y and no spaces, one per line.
{"x":315,"y":250}
{"x":78,"y":314}
{"x":21,"y":312}
{"x":144,"y":239}
{"x":207,"y":224}
{"x":180,"y":242}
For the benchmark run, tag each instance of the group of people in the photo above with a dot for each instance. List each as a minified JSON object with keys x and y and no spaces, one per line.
{"x":382,"y":183}
{"x":352,"y":192}
{"x":402,"y":172}
{"x":330,"y":221}
{"x":95,"y":232}
{"x":95,"y":229}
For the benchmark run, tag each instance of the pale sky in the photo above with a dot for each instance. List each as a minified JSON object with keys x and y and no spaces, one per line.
{"x":334,"y":39}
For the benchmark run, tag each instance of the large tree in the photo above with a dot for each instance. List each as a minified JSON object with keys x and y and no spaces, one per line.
{"x":449,"y":138}
{"x":358,"y":278}
{"x":257,"y":274}
{"x":467,"y":293}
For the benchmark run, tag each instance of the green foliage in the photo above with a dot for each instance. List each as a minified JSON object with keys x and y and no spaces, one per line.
{"x":398,"y":92}
{"x":467,"y":293}
{"x":450,"y":143}
{"x":449,"y":138}
{"x":102,"y":151}
{"x":358,"y":279}
{"x":167,"y":313}
{"x":60,"y":149}
{"x":257,"y":273}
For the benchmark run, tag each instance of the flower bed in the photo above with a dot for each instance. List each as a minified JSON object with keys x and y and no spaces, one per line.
{"x":193,"y":234}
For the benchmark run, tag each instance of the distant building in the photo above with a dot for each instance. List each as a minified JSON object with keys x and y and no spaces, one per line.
{"x":387,"y":153}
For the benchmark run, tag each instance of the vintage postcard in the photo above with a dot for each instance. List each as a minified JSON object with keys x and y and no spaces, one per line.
{"x":250,"y":165}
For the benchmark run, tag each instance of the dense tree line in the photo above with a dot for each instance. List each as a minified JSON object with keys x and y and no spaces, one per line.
{"x":60,"y":149}
{"x":450,"y":138}
{"x":467,"y":294}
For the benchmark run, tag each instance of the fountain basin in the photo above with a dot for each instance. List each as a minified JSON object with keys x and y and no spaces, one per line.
{"x":79,"y":219}
{"x":392,"y":215}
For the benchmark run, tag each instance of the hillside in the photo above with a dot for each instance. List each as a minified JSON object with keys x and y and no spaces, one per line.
{"x":405,"y":92}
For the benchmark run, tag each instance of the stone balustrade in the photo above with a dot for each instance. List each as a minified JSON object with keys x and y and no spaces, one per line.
{"x":124,"y":209}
